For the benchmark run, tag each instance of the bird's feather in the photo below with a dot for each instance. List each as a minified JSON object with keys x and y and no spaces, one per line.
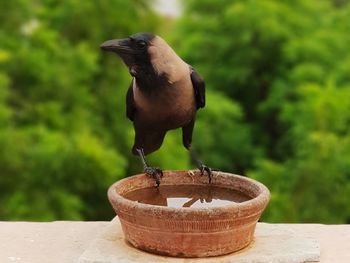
{"x":199,"y":88}
{"x":149,"y":140}
{"x":130,"y":104}
{"x":187,"y":131}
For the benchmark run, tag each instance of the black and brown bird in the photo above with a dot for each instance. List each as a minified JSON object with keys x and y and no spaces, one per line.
{"x":165,"y":93}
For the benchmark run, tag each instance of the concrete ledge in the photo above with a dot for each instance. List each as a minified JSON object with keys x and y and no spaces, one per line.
{"x":66,"y":241}
{"x":55,"y":242}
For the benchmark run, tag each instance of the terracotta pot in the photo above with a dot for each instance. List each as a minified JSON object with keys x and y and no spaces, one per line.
{"x":189,"y":232}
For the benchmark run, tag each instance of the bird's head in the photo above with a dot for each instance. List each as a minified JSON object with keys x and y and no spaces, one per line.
{"x":147,"y":56}
{"x":134,"y":50}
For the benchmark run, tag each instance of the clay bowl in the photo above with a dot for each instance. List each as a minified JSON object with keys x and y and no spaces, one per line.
{"x":189,"y":232}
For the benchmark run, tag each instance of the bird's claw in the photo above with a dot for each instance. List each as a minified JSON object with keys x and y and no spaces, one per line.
{"x":203,"y":168}
{"x":155,"y":173}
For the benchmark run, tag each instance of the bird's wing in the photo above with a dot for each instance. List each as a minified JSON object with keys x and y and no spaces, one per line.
{"x":199,"y":88}
{"x":187,"y":131}
{"x":130,"y":105}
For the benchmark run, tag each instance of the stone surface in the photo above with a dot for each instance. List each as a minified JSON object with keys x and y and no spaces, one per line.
{"x":272,"y":244}
{"x":50,"y":242}
{"x":65,"y":241}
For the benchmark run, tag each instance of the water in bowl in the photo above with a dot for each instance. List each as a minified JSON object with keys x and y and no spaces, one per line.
{"x":196,"y":196}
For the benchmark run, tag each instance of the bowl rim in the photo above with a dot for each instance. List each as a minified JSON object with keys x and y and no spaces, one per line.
{"x":260,"y":201}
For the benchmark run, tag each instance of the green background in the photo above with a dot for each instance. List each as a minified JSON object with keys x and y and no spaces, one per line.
{"x":278,"y":102}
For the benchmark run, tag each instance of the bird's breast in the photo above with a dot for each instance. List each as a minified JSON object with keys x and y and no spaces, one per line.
{"x":167,"y":107}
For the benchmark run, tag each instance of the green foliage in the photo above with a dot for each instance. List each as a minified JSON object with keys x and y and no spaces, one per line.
{"x":62,"y":133}
{"x":221,"y":137}
{"x":278,"y":107}
{"x":284,"y":65}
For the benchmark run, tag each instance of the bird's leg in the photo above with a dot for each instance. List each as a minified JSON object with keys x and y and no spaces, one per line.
{"x":201,"y":166}
{"x":154,"y":172}
{"x":190,"y":202}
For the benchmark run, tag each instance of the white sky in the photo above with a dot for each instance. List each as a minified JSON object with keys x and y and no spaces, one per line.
{"x":168,"y":7}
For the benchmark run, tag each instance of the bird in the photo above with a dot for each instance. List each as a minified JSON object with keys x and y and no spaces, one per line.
{"x":165,"y":93}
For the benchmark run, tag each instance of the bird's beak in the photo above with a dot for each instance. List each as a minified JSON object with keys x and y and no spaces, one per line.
{"x":117,"y":45}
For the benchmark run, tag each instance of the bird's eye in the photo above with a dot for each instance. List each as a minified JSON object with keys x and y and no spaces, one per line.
{"x":141,"y":44}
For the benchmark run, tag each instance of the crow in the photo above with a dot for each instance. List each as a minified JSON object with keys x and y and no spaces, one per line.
{"x":165,"y":93}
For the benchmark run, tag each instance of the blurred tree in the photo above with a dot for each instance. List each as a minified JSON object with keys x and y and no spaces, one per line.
{"x":221,"y":137}
{"x":284,"y":65}
{"x":277,"y":75}
{"x":63,"y":134}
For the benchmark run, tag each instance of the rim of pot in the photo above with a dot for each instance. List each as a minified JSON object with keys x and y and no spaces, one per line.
{"x":259,"y":202}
